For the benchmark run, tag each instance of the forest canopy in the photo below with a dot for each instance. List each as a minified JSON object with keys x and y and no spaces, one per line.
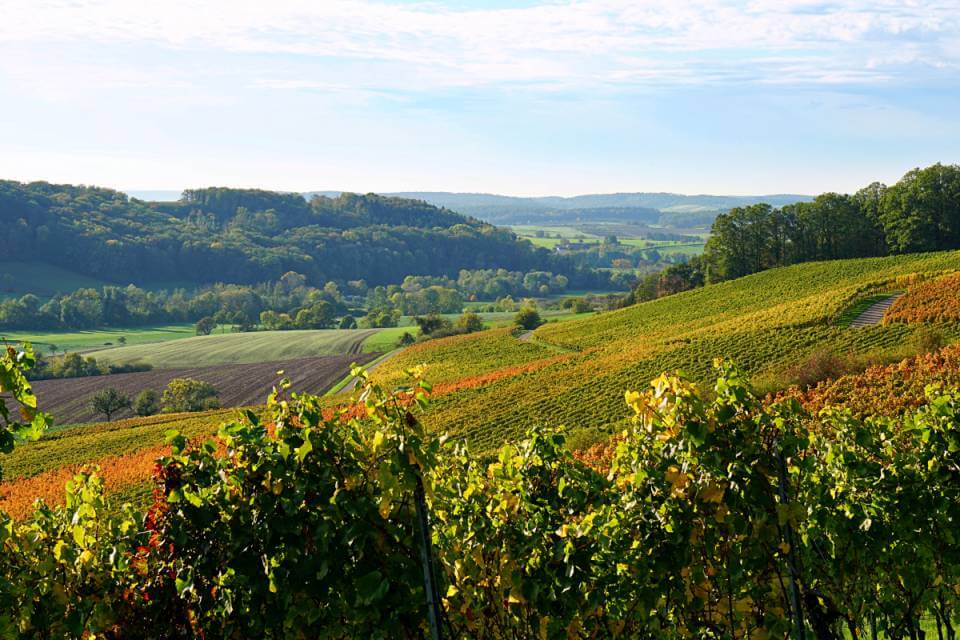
{"x":250,"y":236}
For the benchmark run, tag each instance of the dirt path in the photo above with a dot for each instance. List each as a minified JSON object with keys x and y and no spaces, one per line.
{"x":874,"y":314}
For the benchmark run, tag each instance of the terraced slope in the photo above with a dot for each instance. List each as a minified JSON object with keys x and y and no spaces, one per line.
{"x":240,"y":348}
{"x":765,"y":322}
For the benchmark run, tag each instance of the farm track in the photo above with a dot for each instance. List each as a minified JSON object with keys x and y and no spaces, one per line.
{"x":239,"y":384}
{"x":874,"y":315}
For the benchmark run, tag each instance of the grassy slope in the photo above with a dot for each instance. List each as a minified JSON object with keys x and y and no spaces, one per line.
{"x":240,"y":348}
{"x":765,"y":322}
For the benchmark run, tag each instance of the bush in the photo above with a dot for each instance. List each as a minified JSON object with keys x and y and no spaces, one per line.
{"x":348,"y":322}
{"x":187,"y":394}
{"x":528,"y":318}
{"x":405,"y":340}
{"x":147,"y":403}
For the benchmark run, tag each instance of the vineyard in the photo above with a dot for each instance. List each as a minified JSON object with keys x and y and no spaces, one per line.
{"x":935,"y":300}
{"x":766,"y":322}
{"x":719,"y":517}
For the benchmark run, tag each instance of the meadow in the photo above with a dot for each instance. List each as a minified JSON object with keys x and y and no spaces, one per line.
{"x":97,"y":339}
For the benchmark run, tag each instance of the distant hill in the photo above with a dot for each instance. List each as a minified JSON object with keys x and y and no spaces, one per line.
{"x":250,"y":236}
{"x":667,"y":209}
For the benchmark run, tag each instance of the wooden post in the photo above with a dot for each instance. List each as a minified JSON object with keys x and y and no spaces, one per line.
{"x":797,"y":606}
{"x":426,"y":559}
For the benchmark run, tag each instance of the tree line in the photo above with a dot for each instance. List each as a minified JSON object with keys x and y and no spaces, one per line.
{"x":921,"y":212}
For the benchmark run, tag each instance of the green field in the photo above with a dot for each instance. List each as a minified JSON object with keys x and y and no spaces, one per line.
{"x":95,"y":339}
{"x":240,"y":348}
{"x":554,"y":236}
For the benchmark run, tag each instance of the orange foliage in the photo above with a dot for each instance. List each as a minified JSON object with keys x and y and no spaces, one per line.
{"x":599,"y":456}
{"x":886,"y":390}
{"x":931,"y":301}
{"x":497,"y":374}
{"x":118,"y":472}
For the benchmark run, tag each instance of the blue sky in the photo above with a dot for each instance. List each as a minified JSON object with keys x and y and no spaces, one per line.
{"x":527,"y":97}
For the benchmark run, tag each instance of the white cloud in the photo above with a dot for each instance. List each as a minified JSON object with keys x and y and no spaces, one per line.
{"x":555,"y":44}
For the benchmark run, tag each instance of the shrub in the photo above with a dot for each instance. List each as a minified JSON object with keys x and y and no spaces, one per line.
{"x":469,"y":322}
{"x":205,"y":326}
{"x":528,"y":318}
{"x":147,"y":403}
{"x":187,"y":394}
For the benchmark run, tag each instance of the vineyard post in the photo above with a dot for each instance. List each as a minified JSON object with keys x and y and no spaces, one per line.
{"x":791,"y":552}
{"x":426,"y":558}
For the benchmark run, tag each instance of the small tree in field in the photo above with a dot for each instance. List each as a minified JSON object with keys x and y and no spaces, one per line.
{"x":528,"y":318}
{"x":109,"y":401}
{"x":205,"y":326}
{"x":187,"y":394}
{"x":470,"y":322}
{"x":147,"y":403}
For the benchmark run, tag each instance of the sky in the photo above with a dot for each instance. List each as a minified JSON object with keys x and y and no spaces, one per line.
{"x":529,"y":97}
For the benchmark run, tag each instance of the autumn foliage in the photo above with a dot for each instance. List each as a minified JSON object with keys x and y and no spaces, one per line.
{"x":935,"y":300}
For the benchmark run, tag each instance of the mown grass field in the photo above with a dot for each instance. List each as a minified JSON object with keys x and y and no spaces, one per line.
{"x":240,"y":348}
{"x":96,"y":339}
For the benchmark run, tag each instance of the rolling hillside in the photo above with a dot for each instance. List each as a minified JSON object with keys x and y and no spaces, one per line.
{"x":575,"y":373}
{"x":489,"y":387}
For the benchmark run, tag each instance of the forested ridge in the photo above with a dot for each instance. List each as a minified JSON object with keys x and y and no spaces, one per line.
{"x":250,"y":236}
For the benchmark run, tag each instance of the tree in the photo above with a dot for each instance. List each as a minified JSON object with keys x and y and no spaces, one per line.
{"x":205,"y":326}
{"x":147,"y":403}
{"x":108,"y":401}
{"x":348,"y":322}
{"x":122,"y":340}
{"x":528,"y":318}
{"x":317,"y":316}
{"x":187,"y":394}
{"x":469,"y":322}
{"x":432,"y":324}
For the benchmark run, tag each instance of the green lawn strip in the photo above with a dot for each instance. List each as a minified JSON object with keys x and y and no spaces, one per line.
{"x":851,"y":313}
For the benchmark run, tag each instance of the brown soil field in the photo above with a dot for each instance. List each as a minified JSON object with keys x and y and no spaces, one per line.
{"x":68,"y":399}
